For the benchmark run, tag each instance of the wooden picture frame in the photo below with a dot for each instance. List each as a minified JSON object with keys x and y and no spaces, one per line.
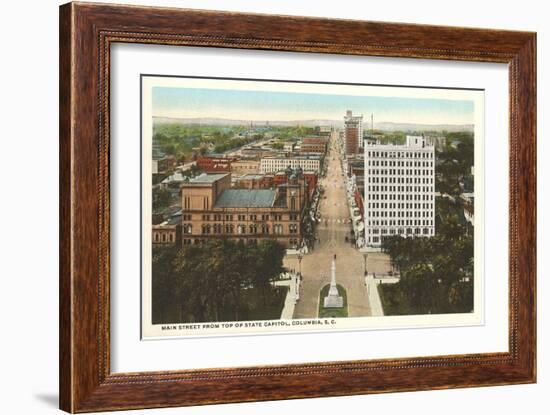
{"x":86,"y":33}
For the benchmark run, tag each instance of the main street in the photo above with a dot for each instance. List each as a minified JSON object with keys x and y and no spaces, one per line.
{"x":335,"y":226}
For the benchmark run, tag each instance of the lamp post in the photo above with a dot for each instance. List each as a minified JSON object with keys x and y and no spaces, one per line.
{"x":365,"y":262}
{"x":300,"y":256}
{"x":296,"y":288}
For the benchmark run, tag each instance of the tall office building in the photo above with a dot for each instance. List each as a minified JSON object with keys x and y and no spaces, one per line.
{"x":353,"y":132}
{"x":399,"y":189}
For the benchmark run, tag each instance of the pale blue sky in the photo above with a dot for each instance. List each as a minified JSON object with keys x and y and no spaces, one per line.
{"x":288,"y":106}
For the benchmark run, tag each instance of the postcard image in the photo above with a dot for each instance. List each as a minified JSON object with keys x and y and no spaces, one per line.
{"x":290,"y":206}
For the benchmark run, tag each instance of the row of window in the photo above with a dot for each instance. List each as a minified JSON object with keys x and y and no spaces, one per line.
{"x":203,"y":241}
{"x":400,"y":180}
{"x":187,"y":203}
{"x":401,"y":154}
{"x":399,"y":214}
{"x":392,"y":163}
{"x":293,"y":242}
{"x":401,"y":222}
{"x":375,"y":192}
{"x":240,"y":229}
{"x":163,"y":237}
{"x":416,"y":206}
{"x":243,"y":218}
{"x":399,"y":231}
{"x":276,"y":165}
{"x":400,"y":172}
{"x":393,"y":196}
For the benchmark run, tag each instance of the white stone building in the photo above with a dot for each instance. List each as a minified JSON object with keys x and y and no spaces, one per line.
{"x":399,"y":190}
{"x":275,"y":164}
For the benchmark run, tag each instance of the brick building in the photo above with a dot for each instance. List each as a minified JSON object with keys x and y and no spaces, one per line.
{"x":245,"y":166}
{"x":314,"y":144}
{"x":353,"y":132}
{"x":215,"y":163}
{"x":163,"y":164}
{"x":212,"y":209}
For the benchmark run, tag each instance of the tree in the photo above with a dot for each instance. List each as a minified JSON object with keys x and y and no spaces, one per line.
{"x":206,"y":282}
{"x":419,"y":285}
{"x":161,"y":198}
{"x":269,"y":256}
{"x":436,"y":272}
{"x":163,"y":297}
{"x":455,"y":163}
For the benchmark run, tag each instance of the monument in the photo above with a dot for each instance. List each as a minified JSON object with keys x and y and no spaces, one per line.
{"x":333,"y":299}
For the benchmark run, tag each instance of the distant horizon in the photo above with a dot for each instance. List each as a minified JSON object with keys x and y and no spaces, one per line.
{"x":283,"y":106}
{"x":366,"y":120}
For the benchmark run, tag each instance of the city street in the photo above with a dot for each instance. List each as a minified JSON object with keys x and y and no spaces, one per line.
{"x":335,"y":226}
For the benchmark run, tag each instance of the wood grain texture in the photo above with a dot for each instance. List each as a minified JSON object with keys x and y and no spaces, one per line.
{"x":65,"y":248}
{"x":86,"y":33}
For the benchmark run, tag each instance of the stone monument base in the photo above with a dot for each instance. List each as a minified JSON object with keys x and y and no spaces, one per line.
{"x":333,"y":301}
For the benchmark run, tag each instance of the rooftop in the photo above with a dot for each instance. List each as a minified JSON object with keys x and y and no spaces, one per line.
{"x":235,"y":198}
{"x":312,"y":156}
{"x":176,"y":177}
{"x":207,"y":178}
{"x":251,"y":176}
{"x":216,"y":155}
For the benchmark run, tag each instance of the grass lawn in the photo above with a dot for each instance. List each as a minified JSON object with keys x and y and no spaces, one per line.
{"x":333,"y":312}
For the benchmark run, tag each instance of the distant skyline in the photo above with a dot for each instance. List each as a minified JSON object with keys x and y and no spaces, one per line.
{"x":233,"y":104}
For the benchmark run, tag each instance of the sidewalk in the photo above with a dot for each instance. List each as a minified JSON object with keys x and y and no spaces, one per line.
{"x":374,"y":297}
{"x":292,"y":296}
